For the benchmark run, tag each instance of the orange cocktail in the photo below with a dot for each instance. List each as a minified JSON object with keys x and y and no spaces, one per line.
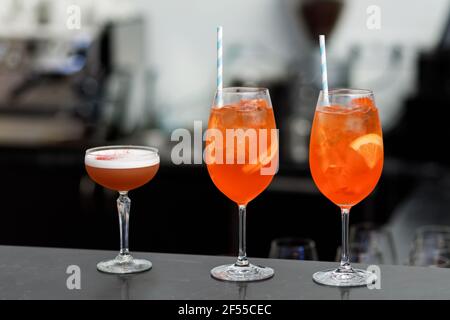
{"x":346,"y":160}
{"x":346,"y":151}
{"x":242,"y":157}
{"x":121,"y":170}
{"x":242,"y":181}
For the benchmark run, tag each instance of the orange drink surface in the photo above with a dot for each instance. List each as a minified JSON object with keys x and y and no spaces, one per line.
{"x":122,"y":170}
{"x":236,"y":165}
{"x":346,"y":151}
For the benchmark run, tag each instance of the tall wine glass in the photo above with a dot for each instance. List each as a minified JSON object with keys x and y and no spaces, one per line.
{"x":346,"y":160}
{"x":122,"y":168}
{"x":242,"y":157}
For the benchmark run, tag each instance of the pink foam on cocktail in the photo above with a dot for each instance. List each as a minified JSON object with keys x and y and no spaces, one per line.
{"x":122,"y":158}
{"x":106,"y":157}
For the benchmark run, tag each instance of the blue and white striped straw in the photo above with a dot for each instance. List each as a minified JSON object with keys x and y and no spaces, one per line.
{"x":219,"y":66}
{"x":323,"y":64}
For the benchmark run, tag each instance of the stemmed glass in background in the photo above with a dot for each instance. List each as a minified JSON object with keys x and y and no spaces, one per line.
{"x":242,"y":165}
{"x":346,"y":161}
{"x":293,"y":248}
{"x":122,"y":168}
{"x":431,"y":247}
{"x":370,"y":244}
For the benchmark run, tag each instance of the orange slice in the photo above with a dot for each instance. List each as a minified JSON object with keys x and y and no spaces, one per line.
{"x":370,"y":147}
{"x":264,"y":159}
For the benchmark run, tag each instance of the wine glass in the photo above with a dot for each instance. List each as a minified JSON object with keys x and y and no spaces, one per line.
{"x":293,"y":248}
{"x":431,"y":246}
{"x":241,"y":154}
{"x":430,"y":258}
{"x":346,"y":161}
{"x":373,"y":242}
{"x":122,"y":168}
{"x":359,"y":253}
{"x":432,"y":237}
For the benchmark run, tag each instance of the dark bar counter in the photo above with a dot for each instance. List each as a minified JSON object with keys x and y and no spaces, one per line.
{"x":41,"y":273}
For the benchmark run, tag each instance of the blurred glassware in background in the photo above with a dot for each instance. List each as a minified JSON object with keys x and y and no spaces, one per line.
{"x":369,"y":236}
{"x":359,"y":253}
{"x":431,"y":247}
{"x":293,"y":248}
{"x":432,"y":237}
{"x":430,"y":258}
{"x":370,"y":244}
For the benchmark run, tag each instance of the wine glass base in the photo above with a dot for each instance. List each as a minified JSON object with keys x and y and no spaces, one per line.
{"x":124,"y":264}
{"x":233,"y":272}
{"x":345,"y":278}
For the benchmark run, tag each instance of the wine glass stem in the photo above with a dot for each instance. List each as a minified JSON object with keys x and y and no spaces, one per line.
{"x":123,"y":206}
{"x":345,"y":258}
{"x":242,"y":260}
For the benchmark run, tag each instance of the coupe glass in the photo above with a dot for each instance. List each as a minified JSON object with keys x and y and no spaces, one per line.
{"x":122,"y":168}
{"x":346,"y":161}
{"x":242,"y":157}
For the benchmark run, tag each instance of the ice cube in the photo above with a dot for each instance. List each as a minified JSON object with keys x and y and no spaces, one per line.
{"x":253,"y":113}
{"x":247,"y":105}
{"x":228,"y":117}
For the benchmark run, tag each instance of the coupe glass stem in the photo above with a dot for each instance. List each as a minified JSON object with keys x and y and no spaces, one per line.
{"x":242,"y":260}
{"x":123,"y":206}
{"x":345,"y":257}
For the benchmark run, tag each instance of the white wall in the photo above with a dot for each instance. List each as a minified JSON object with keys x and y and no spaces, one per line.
{"x":182,"y":44}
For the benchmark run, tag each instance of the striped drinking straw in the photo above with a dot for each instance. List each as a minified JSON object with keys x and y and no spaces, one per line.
{"x":323,"y":64}
{"x":219,"y":67}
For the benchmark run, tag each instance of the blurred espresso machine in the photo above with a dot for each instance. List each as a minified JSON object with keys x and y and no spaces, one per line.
{"x":62,"y":86}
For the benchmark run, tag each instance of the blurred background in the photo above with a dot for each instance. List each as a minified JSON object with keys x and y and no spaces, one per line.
{"x":77,"y":74}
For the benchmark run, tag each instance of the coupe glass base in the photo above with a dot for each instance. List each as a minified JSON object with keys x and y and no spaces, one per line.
{"x":124,"y":264}
{"x":344,"y":277}
{"x":233,"y":272}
